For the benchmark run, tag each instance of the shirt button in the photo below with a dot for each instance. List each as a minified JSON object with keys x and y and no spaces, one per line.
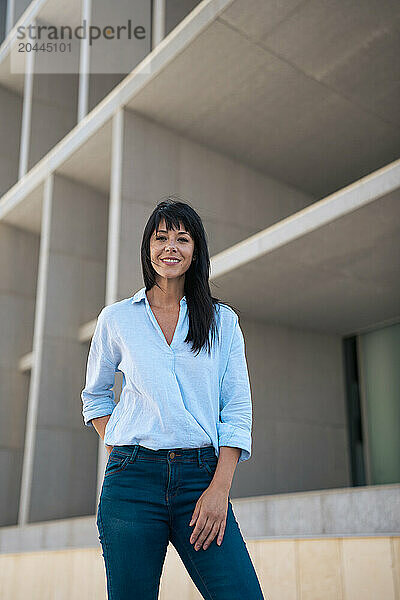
{"x":172,"y":454}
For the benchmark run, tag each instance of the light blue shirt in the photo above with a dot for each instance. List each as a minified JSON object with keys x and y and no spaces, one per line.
{"x":170,"y":397}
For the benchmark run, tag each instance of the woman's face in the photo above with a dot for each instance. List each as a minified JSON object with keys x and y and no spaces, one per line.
{"x":175,"y":244}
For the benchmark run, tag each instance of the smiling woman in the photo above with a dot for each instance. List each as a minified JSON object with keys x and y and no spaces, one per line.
{"x":172,"y":248}
{"x":181,"y":425}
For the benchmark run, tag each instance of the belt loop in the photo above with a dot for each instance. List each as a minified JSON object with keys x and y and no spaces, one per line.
{"x":199,"y":456}
{"x":134,"y":452}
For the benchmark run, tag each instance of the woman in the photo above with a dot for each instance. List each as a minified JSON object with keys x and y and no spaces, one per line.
{"x":182,"y":423}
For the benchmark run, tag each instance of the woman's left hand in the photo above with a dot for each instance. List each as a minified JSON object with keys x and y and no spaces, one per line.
{"x":210,"y":517}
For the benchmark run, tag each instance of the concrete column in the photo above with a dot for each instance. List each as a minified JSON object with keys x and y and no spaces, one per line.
{"x":158,"y":25}
{"x":84,"y":64}
{"x":34,"y":390}
{"x":26,"y":113}
{"x":10,"y":15}
{"x":114,"y":226}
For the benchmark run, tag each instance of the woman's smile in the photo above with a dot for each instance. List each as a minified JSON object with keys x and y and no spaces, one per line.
{"x":171,"y":261}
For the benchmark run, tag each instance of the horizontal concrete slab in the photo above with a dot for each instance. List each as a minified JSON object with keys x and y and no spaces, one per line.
{"x":305,"y":91}
{"x":330,"y":267}
{"x":370,"y":510}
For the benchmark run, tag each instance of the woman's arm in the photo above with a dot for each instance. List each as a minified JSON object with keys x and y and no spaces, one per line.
{"x":227,"y":462}
{"x":100,"y":426}
{"x":98,"y":398}
{"x":235,"y":417}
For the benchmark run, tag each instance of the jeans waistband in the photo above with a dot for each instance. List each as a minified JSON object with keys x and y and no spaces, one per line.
{"x":164,"y":454}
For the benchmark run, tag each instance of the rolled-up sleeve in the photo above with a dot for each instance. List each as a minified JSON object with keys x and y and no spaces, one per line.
{"x":102,"y":363}
{"x":235,"y":423}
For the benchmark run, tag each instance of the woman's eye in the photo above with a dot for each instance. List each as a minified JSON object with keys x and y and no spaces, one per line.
{"x":163,"y":238}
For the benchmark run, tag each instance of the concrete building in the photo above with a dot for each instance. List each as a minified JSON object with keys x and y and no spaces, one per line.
{"x":279,"y":122}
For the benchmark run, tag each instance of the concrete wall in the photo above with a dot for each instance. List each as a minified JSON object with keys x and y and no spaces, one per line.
{"x":3,"y":16}
{"x":19,"y":255}
{"x":10,"y":135}
{"x":233,"y":200}
{"x":19,"y":7}
{"x":112,"y":60}
{"x":101,"y":84}
{"x":175,"y":11}
{"x":54,"y":101}
{"x":65,"y":457}
{"x":300,"y":439}
{"x":290,"y":569}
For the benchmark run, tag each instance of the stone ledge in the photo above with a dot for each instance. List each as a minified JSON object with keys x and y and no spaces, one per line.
{"x":348,"y":512}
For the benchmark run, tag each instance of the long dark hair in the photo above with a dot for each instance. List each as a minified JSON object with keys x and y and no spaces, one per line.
{"x":200,"y":303}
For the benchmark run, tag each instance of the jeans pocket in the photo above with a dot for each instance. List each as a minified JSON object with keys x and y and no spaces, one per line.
{"x":210,"y":464}
{"x":116,"y":463}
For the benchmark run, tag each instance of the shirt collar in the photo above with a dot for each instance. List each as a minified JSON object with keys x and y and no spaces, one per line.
{"x":141,"y":294}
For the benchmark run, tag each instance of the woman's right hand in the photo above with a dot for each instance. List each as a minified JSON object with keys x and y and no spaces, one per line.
{"x":100,"y":423}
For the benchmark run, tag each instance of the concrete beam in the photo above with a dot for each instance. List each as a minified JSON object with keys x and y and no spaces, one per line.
{"x":369,"y":188}
{"x":86,"y":332}
{"x":26,"y":362}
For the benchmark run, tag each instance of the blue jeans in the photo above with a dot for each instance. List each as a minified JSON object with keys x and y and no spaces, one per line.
{"x":147,"y":499}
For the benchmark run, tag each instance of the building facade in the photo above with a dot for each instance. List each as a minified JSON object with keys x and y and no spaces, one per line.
{"x":279,"y":123}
